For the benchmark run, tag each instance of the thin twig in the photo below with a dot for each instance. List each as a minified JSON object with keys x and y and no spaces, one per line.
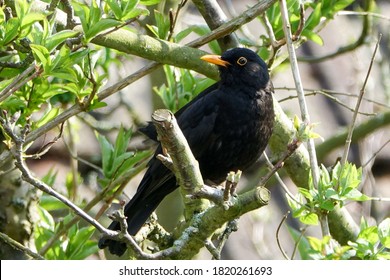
{"x":299,"y":87}
{"x":291,"y":148}
{"x":277,"y":235}
{"x":231,"y":227}
{"x":354,"y":13}
{"x":115,"y":28}
{"x":16,"y":245}
{"x":20,"y":80}
{"x":45,"y":148}
{"x":298,"y":241}
{"x":335,"y":99}
{"x":354,"y":117}
{"x":282,"y":184}
{"x":173,"y":16}
{"x":328,"y":93}
{"x":375,"y":154}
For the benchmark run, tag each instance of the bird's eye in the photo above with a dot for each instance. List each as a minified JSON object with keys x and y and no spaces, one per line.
{"x":242,"y":61}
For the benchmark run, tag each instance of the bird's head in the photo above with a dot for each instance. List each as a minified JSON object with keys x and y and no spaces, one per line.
{"x":240,"y":66}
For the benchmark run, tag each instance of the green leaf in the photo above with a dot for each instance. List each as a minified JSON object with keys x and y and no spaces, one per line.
{"x":309,"y":219}
{"x":356,"y":195}
{"x":341,"y":4}
{"x":306,"y":193}
{"x":327,"y":205}
{"x":314,"y":18}
{"x":58,"y":38}
{"x":42,"y":55}
{"x":50,"y":177}
{"x":131,"y":161}
{"x":162,"y":24}
{"x":115,"y":8}
{"x":384,"y":232}
{"x":135,"y":13}
{"x":100,"y":26}
{"x":97,"y":105}
{"x":118,"y":164}
{"x":67,"y":74}
{"x":369,"y":234}
{"x":122,"y":141}
{"x":107,"y":151}
{"x":11,"y":31}
{"x":315,"y":243}
{"x":51,"y":203}
{"x":312,"y":36}
{"x":183,"y":34}
{"x":30,"y":18}
{"x":297,"y":122}
{"x":149,"y":2}
{"x":78,"y":241}
{"x":331,"y":193}
{"x":48,"y":116}
{"x":46,"y":220}
{"x":21,"y":8}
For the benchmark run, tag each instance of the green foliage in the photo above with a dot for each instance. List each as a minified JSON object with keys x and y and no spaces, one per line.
{"x":116,"y":161}
{"x":161,"y":29}
{"x":76,"y":244}
{"x":372,"y":243}
{"x":334,"y":188}
{"x":317,"y":13}
{"x":73,"y":244}
{"x":181,"y":87}
{"x":61,"y":71}
{"x":126,"y":9}
{"x":92,"y":19}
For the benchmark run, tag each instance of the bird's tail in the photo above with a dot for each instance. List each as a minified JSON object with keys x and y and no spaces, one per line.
{"x":136,"y":216}
{"x":139,"y":208}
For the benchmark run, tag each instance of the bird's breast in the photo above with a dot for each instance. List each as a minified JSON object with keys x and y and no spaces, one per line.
{"x":241,"y":133}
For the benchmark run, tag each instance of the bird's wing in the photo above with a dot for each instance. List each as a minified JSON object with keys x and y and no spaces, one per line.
{"x":197,"y":121}
{"x":197,"y":124}
{"x":150,"y":130}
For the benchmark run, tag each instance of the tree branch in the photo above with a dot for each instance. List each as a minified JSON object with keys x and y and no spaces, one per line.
{"x":297,"y":166}
{"x":13,"y":243}
{"x":185,"y":166}
{"x":362,"y":130}
{"x":215,"y":17}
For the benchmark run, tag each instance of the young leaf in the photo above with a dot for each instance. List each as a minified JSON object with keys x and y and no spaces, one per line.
{"x":309,"y":219}
{"x":107,"y":154}
{"x":100,"y":26}
{"x":384,"y":232}
{"x":54,"y":40}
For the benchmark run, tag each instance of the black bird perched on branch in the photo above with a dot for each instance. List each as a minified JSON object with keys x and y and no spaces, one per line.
{"x":227,"y":127}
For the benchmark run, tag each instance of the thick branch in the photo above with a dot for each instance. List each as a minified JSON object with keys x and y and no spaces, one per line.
{"x":215,"y":17}
{"x":185,"y":166}
{"x":362,"y":130}
{"x":297,"y":166}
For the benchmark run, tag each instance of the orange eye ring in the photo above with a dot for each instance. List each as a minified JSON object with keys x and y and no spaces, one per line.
{"x":242,"y":61}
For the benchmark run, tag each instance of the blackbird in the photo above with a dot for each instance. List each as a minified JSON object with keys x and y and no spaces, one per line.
{"x":227,"y":127}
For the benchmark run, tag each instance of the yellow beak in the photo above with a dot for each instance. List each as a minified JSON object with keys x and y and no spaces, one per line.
{"x":215,"y":59}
